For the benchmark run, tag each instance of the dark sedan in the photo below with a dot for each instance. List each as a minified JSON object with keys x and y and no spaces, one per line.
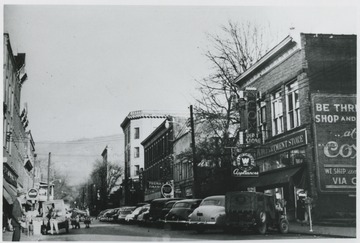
{"x":179,"y":214}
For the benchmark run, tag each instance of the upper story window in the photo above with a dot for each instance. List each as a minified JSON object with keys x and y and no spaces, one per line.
{"x":137,"y":170}
{"x":137,"y":133}
{"x":137,"y":152}
{"x":293,"y":105}
{"x":262,"y":125}
{"x":277,"y":113}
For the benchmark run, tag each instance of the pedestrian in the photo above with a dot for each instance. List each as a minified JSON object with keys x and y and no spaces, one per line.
{"x":300,"y":211}
{"x":308,"y":201}
{"x":53,"y":221}
{"x":17,"y":215}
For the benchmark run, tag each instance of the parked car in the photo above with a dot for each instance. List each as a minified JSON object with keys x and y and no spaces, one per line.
{"x":63,"y":221}
{"x":179,"y":214}
{"x":143,"y":217}
{"x":166,"y":209}
{"x":123,"y":212}
{"x":209,"y":214}
{"x":108,"y":215}
{"x":132,"y":217}
{"x":254,"y":210}
{"x":156,"y":207}
{"x":101,"y":214}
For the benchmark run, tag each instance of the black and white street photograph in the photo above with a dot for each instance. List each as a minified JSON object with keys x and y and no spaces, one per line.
{"x":170,"y":120}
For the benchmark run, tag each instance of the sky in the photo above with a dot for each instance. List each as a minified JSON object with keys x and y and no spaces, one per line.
{"x":88,"y":66}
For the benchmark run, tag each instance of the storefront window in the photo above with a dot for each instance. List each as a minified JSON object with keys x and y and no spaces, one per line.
{"x":285,"y":159}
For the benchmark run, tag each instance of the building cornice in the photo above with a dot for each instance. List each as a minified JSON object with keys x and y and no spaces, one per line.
{"x":287,"y":44}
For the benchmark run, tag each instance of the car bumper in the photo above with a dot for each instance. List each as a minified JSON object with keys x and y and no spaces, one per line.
{"x":201,"y":223}
{"x":176,"y":221}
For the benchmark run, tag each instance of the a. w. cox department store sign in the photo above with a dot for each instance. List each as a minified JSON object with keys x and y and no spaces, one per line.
{"x":335,"y":141}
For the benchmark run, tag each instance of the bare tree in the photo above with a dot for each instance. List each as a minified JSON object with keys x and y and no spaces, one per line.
{"x":232,"y":53}
{"x":62,"y":189}
{"x":105,"y":177}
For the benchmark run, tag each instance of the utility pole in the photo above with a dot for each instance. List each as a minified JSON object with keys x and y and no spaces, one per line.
{"x":195,"y":186}
{"x":48,"y":179}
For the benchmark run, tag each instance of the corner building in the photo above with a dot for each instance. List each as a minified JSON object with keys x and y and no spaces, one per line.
{"x":136,"y":126}
{"x":306,"y":124}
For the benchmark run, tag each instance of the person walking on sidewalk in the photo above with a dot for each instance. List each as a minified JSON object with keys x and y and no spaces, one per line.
{"x":17,"y":215}
{"x":300,"y":211}
{"x":53,"y":221}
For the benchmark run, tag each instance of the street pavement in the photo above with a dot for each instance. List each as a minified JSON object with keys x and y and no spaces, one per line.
{"x":102,"y":231}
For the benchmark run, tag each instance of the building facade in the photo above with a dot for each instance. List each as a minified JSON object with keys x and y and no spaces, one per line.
{"x":18,"y":144}
{"x":136,"y":126}
{"x":159,"y":157}
{"x":302,"y":95}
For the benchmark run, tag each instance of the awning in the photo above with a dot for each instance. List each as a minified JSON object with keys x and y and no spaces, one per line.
{"x":7,"y":196}
{"x":9,"y":192}
{"x":278,"y":177}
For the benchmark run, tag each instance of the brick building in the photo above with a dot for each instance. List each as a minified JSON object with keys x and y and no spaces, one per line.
{"x":159,"y":156}
{"x":305,"y":130}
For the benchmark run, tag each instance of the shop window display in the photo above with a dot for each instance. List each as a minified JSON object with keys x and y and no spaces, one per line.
{"x":281,"y":160}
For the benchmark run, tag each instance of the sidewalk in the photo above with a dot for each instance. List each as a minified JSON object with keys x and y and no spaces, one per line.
{"x":335,"y":231}
{"x":7,"y":236}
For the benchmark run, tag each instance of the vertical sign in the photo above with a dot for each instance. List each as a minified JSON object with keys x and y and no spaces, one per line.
{"x":335,"y":141}
{"x":251,"y":135}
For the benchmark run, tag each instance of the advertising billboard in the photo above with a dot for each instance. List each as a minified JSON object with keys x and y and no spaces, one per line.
{"x":335,"y":141}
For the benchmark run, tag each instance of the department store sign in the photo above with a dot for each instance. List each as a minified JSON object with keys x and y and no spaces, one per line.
{"x":289,"y":142}
{"x":335,"y":141}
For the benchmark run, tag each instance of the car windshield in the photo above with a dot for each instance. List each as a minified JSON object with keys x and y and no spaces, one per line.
{"x":137,"y":210}
{"x":169,"y":205}
{"x":182,"y":205}
{"x":212,"y":202}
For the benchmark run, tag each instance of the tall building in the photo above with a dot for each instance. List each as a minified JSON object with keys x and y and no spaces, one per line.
{"x":136,"y":126}
{"x":303,"y":136}
{"x":18,"y":145}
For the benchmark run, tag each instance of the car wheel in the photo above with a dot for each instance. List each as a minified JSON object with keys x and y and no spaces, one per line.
{"x":284,"y":226}
{"x":261,"y":228}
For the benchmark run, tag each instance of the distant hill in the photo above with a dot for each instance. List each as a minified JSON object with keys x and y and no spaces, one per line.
{"x":76,"y":158}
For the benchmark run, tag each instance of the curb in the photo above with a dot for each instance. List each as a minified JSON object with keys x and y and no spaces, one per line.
{"x":321,"y":234}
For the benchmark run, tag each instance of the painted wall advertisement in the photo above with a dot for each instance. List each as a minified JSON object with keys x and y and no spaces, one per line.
{"x":335,"y":141}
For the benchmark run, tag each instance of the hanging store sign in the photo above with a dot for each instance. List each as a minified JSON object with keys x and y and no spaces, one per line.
{"x":244,"y":166}
{"x":335,"y":141}
{"x":251,"y":136}
{"x":9,"y":175}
